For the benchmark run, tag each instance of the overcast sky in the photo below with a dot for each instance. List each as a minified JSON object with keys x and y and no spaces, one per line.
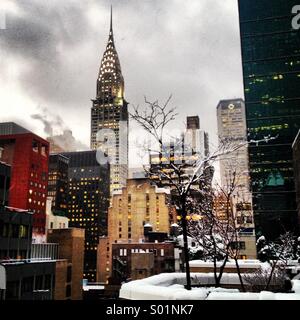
{"x":50,"y":53}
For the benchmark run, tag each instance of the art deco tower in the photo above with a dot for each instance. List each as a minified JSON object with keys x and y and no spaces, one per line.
{"x":109,"y":111}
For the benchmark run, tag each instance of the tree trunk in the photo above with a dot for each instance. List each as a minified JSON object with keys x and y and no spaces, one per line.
{"x":222,"y":267}
{"x":239,"y":274}
{"x":185,"y":247}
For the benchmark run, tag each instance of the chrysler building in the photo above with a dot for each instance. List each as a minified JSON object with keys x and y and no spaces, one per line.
{"x":109,"y":115}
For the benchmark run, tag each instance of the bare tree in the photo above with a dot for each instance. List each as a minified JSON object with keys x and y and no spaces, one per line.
{"x":187,"y":177}
{"x":218,"y":232}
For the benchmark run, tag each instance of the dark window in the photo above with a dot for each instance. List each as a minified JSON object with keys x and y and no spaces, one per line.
{"x":27,"y":285}
{"x":39,"y":283}
{"x":35,"y":146}
{"x":69,"y":274}
{"x":12,"y":290}
{"x":68,"y":290}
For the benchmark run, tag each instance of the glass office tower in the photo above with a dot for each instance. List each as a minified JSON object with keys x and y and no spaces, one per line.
{"x":271,"y":68}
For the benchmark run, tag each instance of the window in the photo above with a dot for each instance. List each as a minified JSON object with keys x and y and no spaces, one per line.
{"x":23,"y":231}
{"x":39,"y":283}
{"x":44,"y":150}
{"x":240,"y":245}
{"x":69,"y":273}
{"x":35,"y":146}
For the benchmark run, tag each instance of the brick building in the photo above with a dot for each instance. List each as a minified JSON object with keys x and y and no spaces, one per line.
{"x":71,"y":251}
{"x":138,"y":204}
{"x":28,"y":155}
{"x":141,"y":260}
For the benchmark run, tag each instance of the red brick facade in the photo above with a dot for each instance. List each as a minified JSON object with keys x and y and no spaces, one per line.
{"x":28,"y":156}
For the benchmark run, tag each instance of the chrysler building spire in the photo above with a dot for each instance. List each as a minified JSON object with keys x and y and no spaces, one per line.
{"x":110,"y":82}
{"x":111,"y":28}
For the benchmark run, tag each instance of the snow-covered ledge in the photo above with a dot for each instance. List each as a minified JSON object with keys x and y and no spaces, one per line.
{"x":170,"y":286}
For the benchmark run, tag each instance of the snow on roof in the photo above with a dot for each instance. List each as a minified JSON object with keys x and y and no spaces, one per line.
{"x":162,"y":190}
{"x":92,"y":287}
{"x":18,"y":209}
{"x":170,"y":286}
{"x":148,"y":225}
{"x":230,"y":264}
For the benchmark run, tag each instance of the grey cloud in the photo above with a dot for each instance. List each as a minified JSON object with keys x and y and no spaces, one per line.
{"x":188,"y":48}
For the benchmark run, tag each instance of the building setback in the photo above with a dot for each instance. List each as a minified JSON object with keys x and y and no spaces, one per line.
{"x":28,"y":155}
{"x":88,"y":202}
{"x":109,"y":114}
{"x":271,"y":68}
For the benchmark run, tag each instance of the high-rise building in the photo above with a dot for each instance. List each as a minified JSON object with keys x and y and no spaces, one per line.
{"x":296,"y":158}
{"x":28,"y":155}
{"x":109,"y":115}
{"x":191,"y":147}
{"x":137,"y":205}
{"x":195,"y":138}
{"x":232,"y":126}
{"x":88,"y":202}
{"x":58,"y":183}
{"x":271,"y":69}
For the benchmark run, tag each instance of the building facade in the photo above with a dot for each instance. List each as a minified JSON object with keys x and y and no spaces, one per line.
{"x":271,"y":68}
{"x":71,"y":249}
{"x":231,"y":119}
{"x":191,"y":148}
{"x":28,"y":155}
{"x":141,"y":260}
{"x":4,"y":183}
{"x":55,"y":221}
{"x":21,"y":277}
{"x":58,"y":183}
{"x":88,"y":202}
{"x":137,"y":205}
{"x":109,"y":115}
{"x":296,"y":158}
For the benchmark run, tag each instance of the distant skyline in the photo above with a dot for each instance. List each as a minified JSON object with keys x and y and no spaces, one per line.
{"x":50,"y":54}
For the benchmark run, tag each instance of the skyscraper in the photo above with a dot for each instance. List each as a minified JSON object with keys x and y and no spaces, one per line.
{"x":88,"y":202}
{"x":109,"y":113}
{"x":231,"y":119}
{"x":271,"y":68}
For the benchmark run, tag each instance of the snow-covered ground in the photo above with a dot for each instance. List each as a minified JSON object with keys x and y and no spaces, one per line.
{"x":170,"y":286}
